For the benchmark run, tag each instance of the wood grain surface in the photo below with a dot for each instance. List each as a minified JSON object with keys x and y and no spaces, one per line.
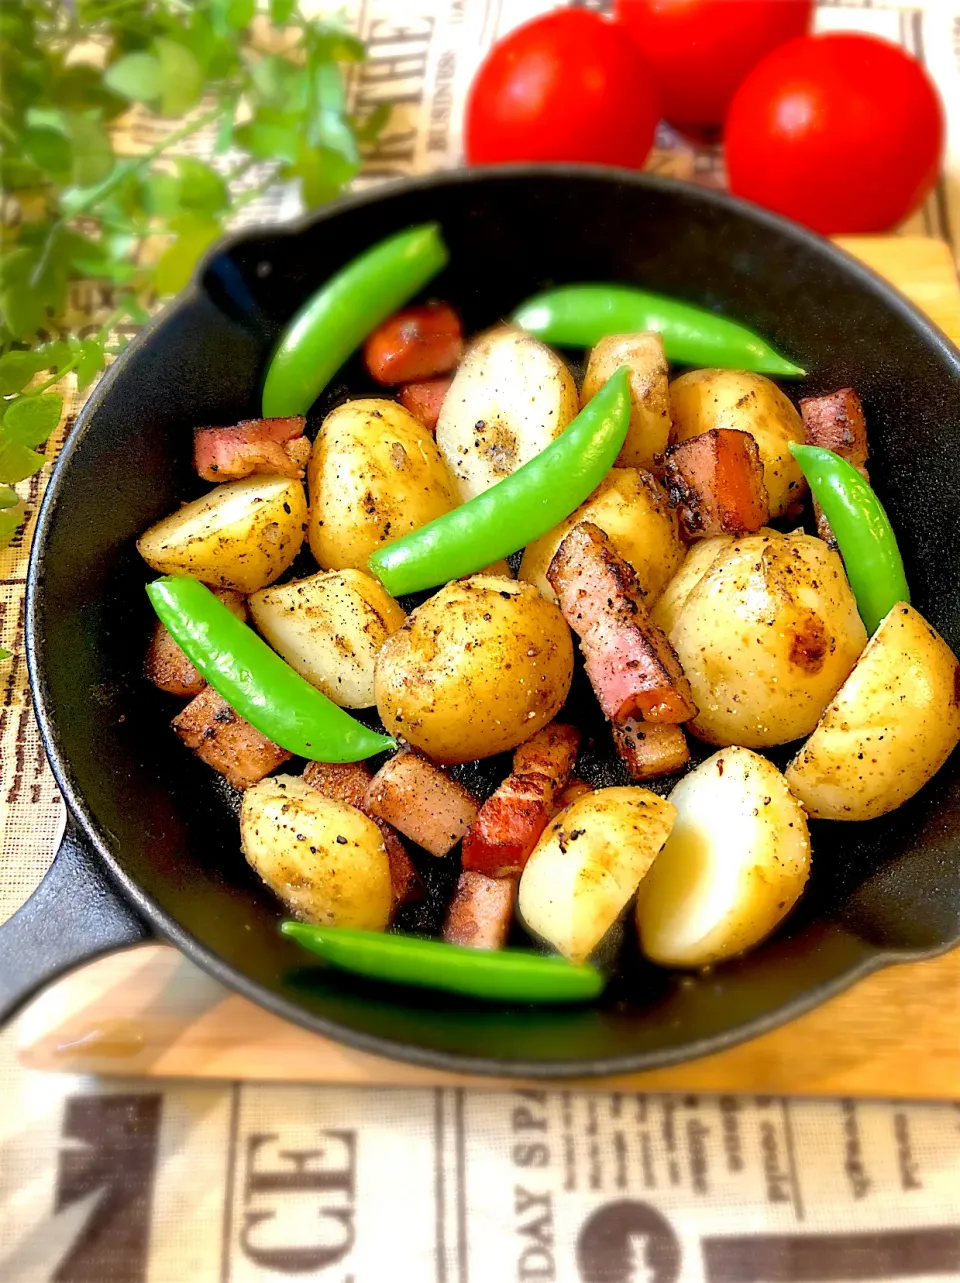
{"x":151,"y":1012}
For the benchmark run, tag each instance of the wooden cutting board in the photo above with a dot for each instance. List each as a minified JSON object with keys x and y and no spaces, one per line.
{"x":151,"y":1012}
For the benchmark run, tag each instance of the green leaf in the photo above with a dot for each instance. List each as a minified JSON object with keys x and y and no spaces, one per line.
{"x":225,"y":133}
{"x":322,"y":173}
{"x":271,"y":135}
{"x":18,"y":368}
{"x":332,"y":44}
{"x":181,"y":77}
{"x":195,"y":233}
{"x":161,"y":194}
{"x":23,"y":310}
{"x":201,"y":187}
{"x":281,"y":11}
{"x":136,"y":76}
{"x":30,"y":420}
{"x":11,"y":519}
{"x":93,"y":157}
{"x":91,"y":362}
{"x":48,"y":149}
{"x":8,"y":497}
{"x":17,"y":462}
{"x":369,"y":129}
{"x":4,"y":654}
{"x":239,"y":13}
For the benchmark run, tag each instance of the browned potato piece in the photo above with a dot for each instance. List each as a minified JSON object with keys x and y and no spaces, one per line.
{"x":643,"y":355}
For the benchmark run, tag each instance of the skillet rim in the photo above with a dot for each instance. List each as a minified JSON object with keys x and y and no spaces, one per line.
{"x":871,"y":957}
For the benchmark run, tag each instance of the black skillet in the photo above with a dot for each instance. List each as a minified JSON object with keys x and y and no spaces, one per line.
{"x":152,"y":845}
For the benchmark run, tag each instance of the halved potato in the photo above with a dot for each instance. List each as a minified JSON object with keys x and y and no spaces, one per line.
{"x":893,"y":724}
{"x":242,"y":535}
{"x":631,"y":508}
{"x":375,"y":475}
{"x":649,"y":432}
{"x":325,"y":860}
{"x":587,"y":865}
{"x":705,"y":399}
{"x":510,"y":397}
{"x":735,"y":862}
{"x":330,"y":628}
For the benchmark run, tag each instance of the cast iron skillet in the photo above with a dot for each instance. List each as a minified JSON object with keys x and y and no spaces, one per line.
{"x":152,"y":846}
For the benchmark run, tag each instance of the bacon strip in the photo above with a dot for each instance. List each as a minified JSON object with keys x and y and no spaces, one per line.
{"x":481,"y":912}
{"x":274,"y":446}
{"x":836,"y":422}
{"x":631,"y":665}
{"x":168,"y":667}
{"x":424,"y":400}
{"x":421,"y":801}
{"x":222,"y":739}
{"x":348,"y":782}
{"x":511,"y":821}
{"x":650,"y":751}
{"x":715,"y":481}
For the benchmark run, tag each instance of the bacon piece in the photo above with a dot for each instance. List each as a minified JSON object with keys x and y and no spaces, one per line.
{"x":168,"y":667}
{"x":415,"y":344}
{"x":511,"y":821}
{"x":421,"y":801}
{"x":481,"y":912}
{"x":715,"y":481}
{"x":631,"y":665}
{"x":575,"y":789}
{"x":222,"y":739}
{"x":649,"y":750}
{"x":274,"y":446}
{"x":348,"y":782}
{"x":424,"y":400}
{"x":837,"y":423}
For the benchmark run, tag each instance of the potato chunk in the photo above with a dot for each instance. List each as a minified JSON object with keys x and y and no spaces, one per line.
{"x":735,"y":862}
{"x":330,"y":628}
{"x":892,"y":725}
{"x":643,"y":355}
{"x":325,"y":860}
{"x":588,"y":864}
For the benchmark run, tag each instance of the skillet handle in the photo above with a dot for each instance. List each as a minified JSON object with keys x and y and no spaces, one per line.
{"x":74,"y":915}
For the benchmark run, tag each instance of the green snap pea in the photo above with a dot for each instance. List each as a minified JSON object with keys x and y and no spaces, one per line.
{"x":506,"y":975}
{"x":581,"y":315}
{"x":336,"y":320}
{"x":518,"y":509}
{"x":862,"y":530}
{"x":255,"y":681}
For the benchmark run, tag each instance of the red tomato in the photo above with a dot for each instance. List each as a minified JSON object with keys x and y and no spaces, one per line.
{"x":842,"y":132}
{"x":569,"y":87}
{"x":700,"y":50}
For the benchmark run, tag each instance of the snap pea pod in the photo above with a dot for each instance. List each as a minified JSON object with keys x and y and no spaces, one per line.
{"x":581,"y":315}
{"x":518,"y":509}
{"x":862,"y":530}
{"x":336,"y":320}
{"x":507,"y":975}
{"x":255,"y":681}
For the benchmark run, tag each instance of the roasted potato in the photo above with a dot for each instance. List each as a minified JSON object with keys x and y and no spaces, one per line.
{"x":631,"y":508}
{"x":587,"y":865}
{"x":694,"y":566}
{"x":893,"y":724}
{"x":649,"y":430}
{"x":510,"y":397}
{"x":325,"y":860}
{"x":735,"y":862}
{"x":330,"y":628}
{"x":705,"y":399}
{"x":476,"y":670}
{"x":375,"y":475}
{"x":242,"y":535}
{"x":766,"y":637}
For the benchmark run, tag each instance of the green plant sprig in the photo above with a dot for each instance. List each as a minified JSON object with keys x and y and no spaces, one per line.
{"x":268,"y":85}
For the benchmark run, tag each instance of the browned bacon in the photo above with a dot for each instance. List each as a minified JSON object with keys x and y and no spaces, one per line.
{"x":836,"y":423}
{"x":480,"y":913}
{"x":222,"y":739}
{"x":168,"y":667}
{"x":715,"y":481}
{"x":511,"y":821}
{"x":649,"y":750}
{"x":631,"y":665}
{"x":274,"y":446}
{"x":424,"y":400}
{"x":421,"y":801}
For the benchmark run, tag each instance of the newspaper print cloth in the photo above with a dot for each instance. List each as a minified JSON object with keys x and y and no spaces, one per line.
{"x":118,"y":1183}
